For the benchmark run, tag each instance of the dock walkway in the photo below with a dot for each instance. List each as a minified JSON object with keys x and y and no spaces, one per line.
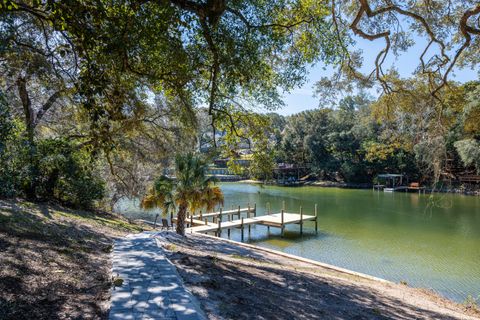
{"x":278,"y":220}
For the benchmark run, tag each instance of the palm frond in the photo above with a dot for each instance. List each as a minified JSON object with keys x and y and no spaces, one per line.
{"x":149,"y":201}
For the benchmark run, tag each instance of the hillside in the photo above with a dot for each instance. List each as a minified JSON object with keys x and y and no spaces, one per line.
{"x":55,"y":262}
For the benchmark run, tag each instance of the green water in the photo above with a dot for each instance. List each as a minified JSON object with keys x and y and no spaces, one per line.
{"x":429,"y":243}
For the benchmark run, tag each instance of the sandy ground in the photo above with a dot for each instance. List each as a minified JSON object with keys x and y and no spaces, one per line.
{"x":236,"y":282}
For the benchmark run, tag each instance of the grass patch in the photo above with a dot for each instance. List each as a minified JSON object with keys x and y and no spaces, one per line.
{"x":246,"y":258}
{"x":170,"y":247}
{"x":112,"y":222}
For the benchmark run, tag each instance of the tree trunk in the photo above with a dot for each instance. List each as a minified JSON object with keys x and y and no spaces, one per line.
{"x":181,"y":215}
{"x":31,"y":120}
{"x":30,"y":189}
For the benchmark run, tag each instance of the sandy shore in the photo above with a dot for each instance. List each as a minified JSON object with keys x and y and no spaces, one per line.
{"x":234,"y":281}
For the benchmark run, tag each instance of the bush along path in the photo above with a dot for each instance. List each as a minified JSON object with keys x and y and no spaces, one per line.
{"x":147,"y":285}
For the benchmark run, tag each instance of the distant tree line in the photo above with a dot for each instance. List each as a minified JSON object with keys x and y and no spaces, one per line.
{"x":361,"y":137}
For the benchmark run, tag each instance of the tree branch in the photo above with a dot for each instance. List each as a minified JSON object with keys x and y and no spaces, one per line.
{"x":46,"y":106}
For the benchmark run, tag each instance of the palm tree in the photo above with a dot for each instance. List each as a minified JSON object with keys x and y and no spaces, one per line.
{"x":190,"y":190}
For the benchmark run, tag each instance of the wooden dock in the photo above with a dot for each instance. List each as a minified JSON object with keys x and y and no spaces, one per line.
{"x":200,"y":223}
{"x":229,"y":213}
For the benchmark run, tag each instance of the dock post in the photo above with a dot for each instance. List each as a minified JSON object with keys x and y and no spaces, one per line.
{"x":201,"y":215}
{"x":220,"y":223}
{"x":255,"y":210}
{"x":283,"y":205}
{"x":316,"y":221}
{"x":228,"y":233}
{"x":191,"y":221}
{"x":301,"y":220}
{"x":248,"y":216}
{"x":269,"y":208}
{"x":239,"y":212}
{"x":241,"y":227}
{"x":282,"y":226}
{"x":206,"y":221}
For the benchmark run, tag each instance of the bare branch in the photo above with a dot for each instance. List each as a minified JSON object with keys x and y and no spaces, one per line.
{"x":46,"y":106}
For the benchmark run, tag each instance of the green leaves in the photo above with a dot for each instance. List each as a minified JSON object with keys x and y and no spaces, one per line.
{"x":190,"y":188}
{"x":469,"y":152}
{"x":8,"y":5}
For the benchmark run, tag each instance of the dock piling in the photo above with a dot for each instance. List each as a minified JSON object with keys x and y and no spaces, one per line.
{"x":220,"y":223}
{"x":255,"y":210}
{"x":268,"y":213}
{"x":301,"y":220}
{"x":316,"y":219}
{"x":241,"y":227}
{"x":282,"y":222}
{"x":248,"y":216}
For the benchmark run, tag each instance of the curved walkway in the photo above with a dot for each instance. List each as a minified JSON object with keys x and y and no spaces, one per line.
{"x":151,"y":288}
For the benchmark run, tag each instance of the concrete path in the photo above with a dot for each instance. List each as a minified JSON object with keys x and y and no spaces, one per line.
{"x":152,"y":288}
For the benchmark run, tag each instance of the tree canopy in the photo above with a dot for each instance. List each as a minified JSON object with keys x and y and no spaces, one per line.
{"x":123,"y":82}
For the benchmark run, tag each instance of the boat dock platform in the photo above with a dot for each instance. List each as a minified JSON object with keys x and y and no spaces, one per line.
{"x":199,"y":223}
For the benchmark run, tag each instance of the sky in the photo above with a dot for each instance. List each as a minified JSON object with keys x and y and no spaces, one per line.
{"x":302,"y":98}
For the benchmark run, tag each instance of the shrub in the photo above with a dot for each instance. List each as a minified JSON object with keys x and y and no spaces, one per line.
{"x":60,"y":170}
{"x":67,"y":174}
{"x":11,"y":150}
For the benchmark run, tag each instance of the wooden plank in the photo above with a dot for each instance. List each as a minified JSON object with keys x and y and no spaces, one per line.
{"x":196,"y":222}
{"x":301,"y":221}
{"x":227,"y":212}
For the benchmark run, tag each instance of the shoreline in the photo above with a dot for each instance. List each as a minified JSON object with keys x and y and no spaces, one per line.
{"x":265,"y":282}
{"x":359,"y":186}
{"x":302,"y":259}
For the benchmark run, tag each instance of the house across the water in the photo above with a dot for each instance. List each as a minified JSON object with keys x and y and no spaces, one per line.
{"x":390,"y":182}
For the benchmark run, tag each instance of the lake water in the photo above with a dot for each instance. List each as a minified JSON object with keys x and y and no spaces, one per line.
{"x":429,"y":242}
